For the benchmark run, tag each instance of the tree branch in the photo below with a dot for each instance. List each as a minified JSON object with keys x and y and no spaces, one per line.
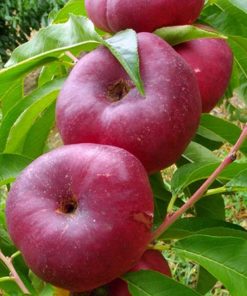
{"x":171,"y":218}
{"x":13,"y":274}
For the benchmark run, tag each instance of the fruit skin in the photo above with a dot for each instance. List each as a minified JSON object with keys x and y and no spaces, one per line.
{"x":212,"y":62}
{"x":155,"y":128}
{"x":151,"y":260}
{"x":142,"y":15}
{"x":107,"y":233}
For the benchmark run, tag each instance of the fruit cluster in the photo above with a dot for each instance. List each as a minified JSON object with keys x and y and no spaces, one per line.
{"x":82,"y":214}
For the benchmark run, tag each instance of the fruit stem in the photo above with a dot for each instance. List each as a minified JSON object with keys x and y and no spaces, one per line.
{"x":6,"y":279}
{"x":171,"y":204}
{"x":13,"y":274}
{"x":224,"y":189}
{"x":15,"y":255}
{"x":171,"y":218}
{"x":72,"y":57}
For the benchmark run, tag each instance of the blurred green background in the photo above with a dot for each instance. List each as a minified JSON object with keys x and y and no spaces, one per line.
{"x":19,"y":18}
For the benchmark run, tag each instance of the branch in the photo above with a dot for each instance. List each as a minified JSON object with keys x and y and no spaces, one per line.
{"x":13,"y":274}
{"x":171,"y":218}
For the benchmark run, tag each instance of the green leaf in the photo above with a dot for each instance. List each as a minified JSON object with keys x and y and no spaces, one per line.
{"x":13,"y":120}
{"x":191,"y":173}
{"x":6,"y":244}
{"x":41,"y":288}
{"x":50,"y":41}
{"x":162,"y":197}
{"x":198,"y":153}
{"x":227,"y":131}
{"x":189,"y":226}
{"x":233,"y":8}
{"x":76,"y":7}
{"x":224,"y":232}
{"x":205,"y":281}
{"x":124,"y":47}
{"x":240,"y":181}
{"x":226,"y":16}
{"x":25,"y":121}
{"x":36,"y":138}
{"x":211,"y":207}
{"x":230,"y":18}
{"x":10,"y":167}
{"x":179,"y":34}
{"x":239,"y":47}
{"x":50,"y":72}
{"x":224,"y":257}
{"x":12,"y":96}
{"x":151,"y":283}
{"x":76,"y":34}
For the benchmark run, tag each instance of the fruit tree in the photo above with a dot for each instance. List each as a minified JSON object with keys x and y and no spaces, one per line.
{"x":129,"y":154}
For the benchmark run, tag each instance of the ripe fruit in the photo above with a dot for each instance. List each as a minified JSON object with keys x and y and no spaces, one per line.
{"x":99,"y":104}
{"x":211,"y":60}
{"x":81,"y":215}
{"x":151,"y":260}
{"x":142,"y":15}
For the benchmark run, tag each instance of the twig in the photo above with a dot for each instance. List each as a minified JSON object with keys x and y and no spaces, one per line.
{"x":13,"y":274}
{"x":224,"y":189}
{"x":6,"y":279}
{"x":171,"y":218}
{"x":72,"y":57}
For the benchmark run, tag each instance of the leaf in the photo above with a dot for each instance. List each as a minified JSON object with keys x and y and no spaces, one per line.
{"x":178,"y":34}
{"x":6,"y":244}
{"x":35,"y":141}
{"x":240,"y":181}
{"x":233,"y":7}
{"x":226,"y":16}
{"x":10,"y":167}
{"x":12,"y":96}
{"x":20,"y":113}
{"x":77,"y":34}
{"x":227,"y":131}
{"x":191,"y":173}
{"x":189,"y":226}
{"x":224,"y":232}
{"x":124,"y":47}
{"x":25,"y":121}
{"x":53,"y":38}
{"x":239,"y":47}
{"x":224,"y":257}
{"x":230,"y":18}
{"x":75,"y":7}
{"x":151,"y":283}
{"x":50,"y":72}
{"x":205,"y":281}
{"x":208,"y":139}
{"x":198,"y":153}
{"x":162,"y":197}
{"x":211,"y":207}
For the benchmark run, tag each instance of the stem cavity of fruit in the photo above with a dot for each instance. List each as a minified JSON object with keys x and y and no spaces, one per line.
{"x":118,"y":90}
{"x":68,"y":205}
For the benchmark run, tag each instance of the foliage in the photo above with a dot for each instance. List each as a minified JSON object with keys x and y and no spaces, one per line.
{"x":19,"y":18}
{"x":219,"y":247}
